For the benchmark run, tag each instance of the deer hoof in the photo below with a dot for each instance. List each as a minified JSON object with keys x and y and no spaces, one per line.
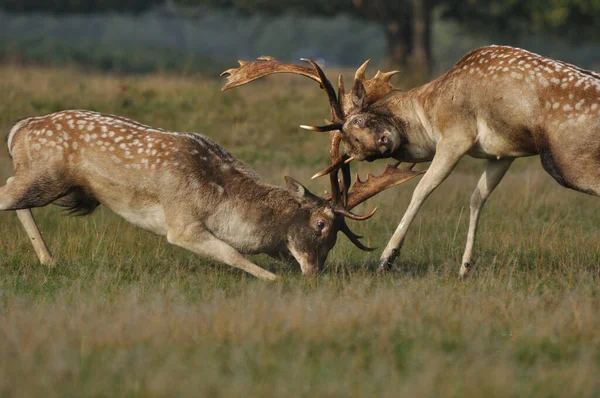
{"x":384,"y":265}
{"x":464,"y":271}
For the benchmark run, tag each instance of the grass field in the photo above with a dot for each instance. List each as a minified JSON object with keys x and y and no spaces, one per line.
{"x":125,"y":314}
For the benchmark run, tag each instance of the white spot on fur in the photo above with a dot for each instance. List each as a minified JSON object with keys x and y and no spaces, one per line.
{"x":516,"y":75}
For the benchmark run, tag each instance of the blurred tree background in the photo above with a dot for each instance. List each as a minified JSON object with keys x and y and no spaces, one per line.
{"x":421,"y":37}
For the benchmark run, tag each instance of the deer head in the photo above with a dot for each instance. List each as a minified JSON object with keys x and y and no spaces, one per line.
{"x":370,"y":131}
{"x":367,"y":130}
{"x":319,"y":219}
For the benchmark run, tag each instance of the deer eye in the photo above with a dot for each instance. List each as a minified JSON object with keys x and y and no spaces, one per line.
{"x":320,"y":225}
{"x":359,"y":121}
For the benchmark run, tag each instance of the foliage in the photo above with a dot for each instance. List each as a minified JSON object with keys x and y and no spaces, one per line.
{"x":577,"y":19}
{"x":397,"y":19}
{"x":162,"y":42}
{"x":78,"y":6}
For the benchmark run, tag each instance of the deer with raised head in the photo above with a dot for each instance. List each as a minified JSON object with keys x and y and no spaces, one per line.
{"x":497,"y":103}
{"x":180,"y":185}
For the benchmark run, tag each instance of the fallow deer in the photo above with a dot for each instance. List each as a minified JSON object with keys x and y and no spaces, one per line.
{"x":497,"y":103}
{"x":180,"y":185}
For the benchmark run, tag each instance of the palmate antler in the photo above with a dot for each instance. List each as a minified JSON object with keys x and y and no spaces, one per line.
{"x":376,"y":88}
{"x":392,"y":176}
{"x":263,"y":66}
{"x":360,"y":191}
{"x":341,"y":198}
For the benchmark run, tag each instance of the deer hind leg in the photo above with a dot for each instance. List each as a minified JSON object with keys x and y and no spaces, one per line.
{"x":20,"y":196}
{"x":491,"y":177}
{"x":202,"y":242}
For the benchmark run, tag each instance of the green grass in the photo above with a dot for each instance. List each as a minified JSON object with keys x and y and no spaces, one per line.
{"x":125,"y":314}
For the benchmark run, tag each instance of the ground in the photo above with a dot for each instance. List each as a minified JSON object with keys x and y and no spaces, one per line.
{"x":125,"y":314}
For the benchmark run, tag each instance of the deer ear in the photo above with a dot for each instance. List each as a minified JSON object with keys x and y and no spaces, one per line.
{"x":359,"y":94}
{"x":297,"y":189}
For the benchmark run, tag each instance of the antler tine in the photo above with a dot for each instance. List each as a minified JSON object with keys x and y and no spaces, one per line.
{"x":332,"y":167}
{"x":328,"y":127}
{"x":341,"y":89}
{"x":334,"y":151}
{"x":385,"y":76}
{"x":347,"y":213}
{"x":346,"y":182}
{"x":391,"y":176}
{"x":360,"y":72}
{"x":251,"y":70}
{"x":340,"y":195}
{"x":336,"y":111}
{"x":376,"y":88}
{"x":354,"y":238}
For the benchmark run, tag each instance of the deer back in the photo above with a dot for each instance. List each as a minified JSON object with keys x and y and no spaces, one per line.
{"x":152,"y":177}
{"x":513,"y":84}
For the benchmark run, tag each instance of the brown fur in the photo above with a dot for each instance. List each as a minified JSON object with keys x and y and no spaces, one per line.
{"x":184,"y":186}
{"x":497,"y":103}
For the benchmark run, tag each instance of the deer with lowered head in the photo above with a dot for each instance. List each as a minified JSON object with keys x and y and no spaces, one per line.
{"x":180,"y":185}
{"x":497,"y":103}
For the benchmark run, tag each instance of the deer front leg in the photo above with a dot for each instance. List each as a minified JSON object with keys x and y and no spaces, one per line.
{"x":38,"y":242}
{"x":204,"y":243}
{"x":446,"y":157}
{"x":491,"y":177}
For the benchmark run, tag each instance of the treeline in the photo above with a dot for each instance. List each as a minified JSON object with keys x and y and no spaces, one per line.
{"x":155,"y":40}
{"x":204,"y":40}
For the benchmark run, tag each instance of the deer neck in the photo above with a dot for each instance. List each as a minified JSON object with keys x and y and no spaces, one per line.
{"x":264,"y":212}
{"x":410,"y":116}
